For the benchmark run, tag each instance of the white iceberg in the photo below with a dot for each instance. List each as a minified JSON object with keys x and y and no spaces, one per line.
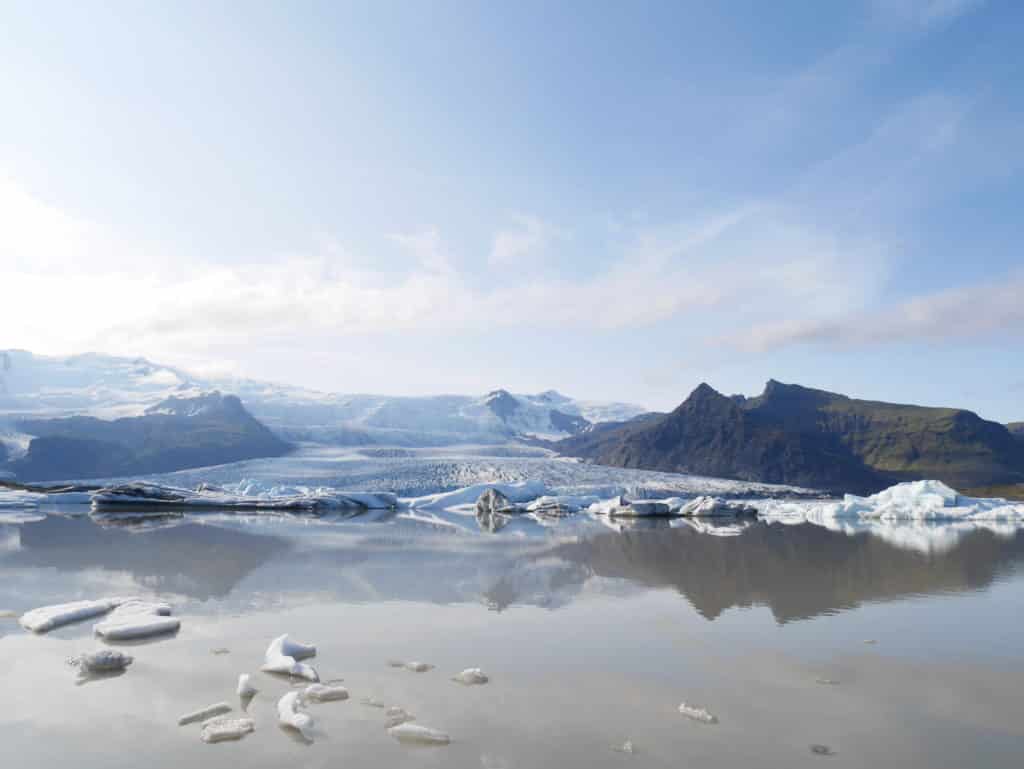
{"x":695,"y":713}
{"x":418,"y":667}
{"x":103,"y":661}
{"x":395,"y":716}
{"x":140,"y":494}
{"x":46,"y":618}
{"x":283,"y":657}
{"x":204,"y":714}
{"x":137,"y":619}
{"x":290,"y":714}
{"x":324,"y":693}
{"x":245,"y":688}
{"x":414,"y":733}
{"x":471,"y":677}
{"x":911,"y":501}
{"x":223,"y":729}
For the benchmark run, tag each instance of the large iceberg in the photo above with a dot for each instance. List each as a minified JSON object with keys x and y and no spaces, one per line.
{"x":243,"y":497}
{"x":911,"y":501}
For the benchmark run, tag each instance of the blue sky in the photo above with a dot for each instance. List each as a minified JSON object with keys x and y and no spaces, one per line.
{"x":615,"y":200}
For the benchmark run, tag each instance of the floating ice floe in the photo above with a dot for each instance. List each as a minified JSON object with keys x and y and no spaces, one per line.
{"x":224,"y":729}
{"x":414,"y":733}
{"x":283,"y":657}
{"x":137,"y":619}
{"x":323,"y":693}
{"x":713,"y":507}
{"x":211,"y":497}
{"x":912,"y":501}
{"x":103,"y":661}
{"x":245,"y":688}
{"x":626,"y":747}
{"x":204,"y":714}
{"x":290,"y":713}
{"x":394,"y":716}
{"x":46,"y":618}
{"x":471,"y":676}
{"x":695,"y":713}
{"x":418,"y":667}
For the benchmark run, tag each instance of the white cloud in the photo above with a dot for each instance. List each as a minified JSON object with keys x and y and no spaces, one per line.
{"x":529,"y":236}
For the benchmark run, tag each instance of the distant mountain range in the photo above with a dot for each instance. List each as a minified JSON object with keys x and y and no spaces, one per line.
{"x":175,"y":434}
{"x":34,"y":386}
{"x":796,"y":435}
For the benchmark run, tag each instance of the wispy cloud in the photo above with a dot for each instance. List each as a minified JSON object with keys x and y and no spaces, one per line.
{"x":528,"y":237}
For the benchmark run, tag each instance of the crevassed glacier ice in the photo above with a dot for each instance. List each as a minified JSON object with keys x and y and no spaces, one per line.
{"x":212,"y":497}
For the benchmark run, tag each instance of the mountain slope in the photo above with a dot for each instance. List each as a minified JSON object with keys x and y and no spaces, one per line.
{"x":1016,"y":430}
{"x":174,"y":434}
{"x":796,"y":435}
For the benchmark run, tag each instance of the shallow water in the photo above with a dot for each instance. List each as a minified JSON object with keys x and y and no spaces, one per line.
{"x":591,"y":637}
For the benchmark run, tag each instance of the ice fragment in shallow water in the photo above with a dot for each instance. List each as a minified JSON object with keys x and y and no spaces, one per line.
{"x":283,"y":656}
{"x":245,"y":687}
{"x":321,"y":693}
{"x":423,"y":735}
{"x":471,"y":676}
{"x":372,"y":702}
{"x":103,"y":661}
{"x":418,"y":667}
{"x":289,"y":713}
{"x":137,"y":619}
{"x":395,"y":716}
{"x":697,"y":714}
{"x":49,"y":617}
{"x":204,"y":714}
{"x":223,"y":729}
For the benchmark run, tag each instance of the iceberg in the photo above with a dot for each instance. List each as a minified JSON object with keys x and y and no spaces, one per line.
{"x":100,"y":662}
{"x":204,"y":714}
{"x":289,"y":713}
{"x":46,"y":618}
{"x":133,"y":620}
{"x":323,"y":693}
{"x":910,"y":501}
{"x":140,"y":494}
{"x":245,"y":688}
{"x":414,"y":733}
{"x":395,"y":716}
{"x":223,"y":729}
{"x":471,"y":676}
{"x":695,"y":713}
{"x":283,"y":657}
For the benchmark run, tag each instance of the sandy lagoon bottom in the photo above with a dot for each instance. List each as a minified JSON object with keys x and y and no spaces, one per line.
{"x":590,"y":640}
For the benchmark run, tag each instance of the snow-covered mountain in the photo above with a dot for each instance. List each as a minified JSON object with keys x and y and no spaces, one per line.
{"x":108,"y":387}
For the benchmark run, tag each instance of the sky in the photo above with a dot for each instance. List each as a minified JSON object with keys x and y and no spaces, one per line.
{"x":615,"y":200}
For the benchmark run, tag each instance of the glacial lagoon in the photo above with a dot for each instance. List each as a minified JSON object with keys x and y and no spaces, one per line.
{"x":885,"y":645}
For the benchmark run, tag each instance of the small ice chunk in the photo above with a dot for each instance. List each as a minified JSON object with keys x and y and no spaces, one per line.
{"x":373,"y":702}
{"x":204,"y":714}
{"x":103,"y":661}
{"x":396,"y":664}
{"x":626,"y":747}
{"x":322,"y":693}
{"x":822,"y":750}
{"x":826,"y":681}
{"x":395,"y":716}
{"x":47,"y":618}
{"x":219,"y":651}
{"x":245,"y":687}
{"x":423,"y":735}
{"x":290,"y":714}
{"x":283,"y":656}
{"x":471,"y":676}
{"x":870,"y":641}
{"x":418,"y":667}
{"x":137,"y":619}
{"x":698,"y":714}
{"x":223,"y":729}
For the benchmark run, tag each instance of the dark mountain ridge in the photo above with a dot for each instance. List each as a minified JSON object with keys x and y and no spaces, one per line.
{"x":797,"y":435}
{"x":175,"y":434}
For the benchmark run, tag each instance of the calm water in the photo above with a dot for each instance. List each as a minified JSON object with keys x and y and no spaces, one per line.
{"x":590,"y":636}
